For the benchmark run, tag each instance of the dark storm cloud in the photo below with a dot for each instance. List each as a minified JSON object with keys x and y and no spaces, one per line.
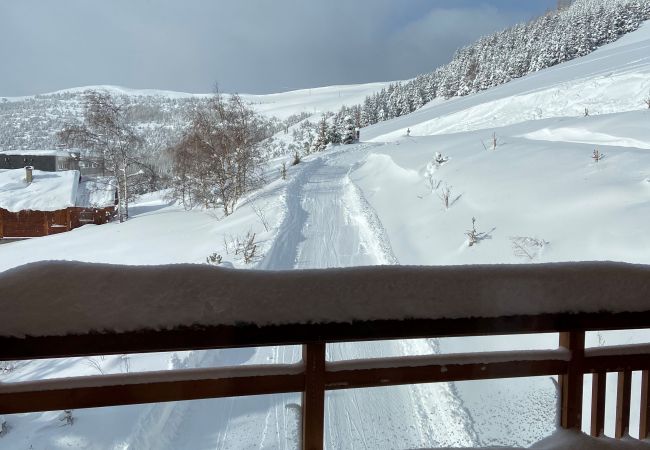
{"x":252,"y":46}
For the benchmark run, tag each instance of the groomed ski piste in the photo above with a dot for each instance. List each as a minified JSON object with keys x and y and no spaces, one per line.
{"x":537,"y":196}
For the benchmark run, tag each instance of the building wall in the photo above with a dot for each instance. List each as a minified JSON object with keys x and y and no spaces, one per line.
{"x":43,"y":223}
{"x":48,"y":163}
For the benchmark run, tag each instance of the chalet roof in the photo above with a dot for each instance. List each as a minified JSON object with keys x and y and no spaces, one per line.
{"x":50,"y":191}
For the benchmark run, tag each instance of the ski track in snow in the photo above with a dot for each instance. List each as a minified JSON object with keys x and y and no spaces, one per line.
{"x":327,"y":223}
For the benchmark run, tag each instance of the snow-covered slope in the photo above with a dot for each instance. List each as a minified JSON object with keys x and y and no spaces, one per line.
{"x":538,"y":196}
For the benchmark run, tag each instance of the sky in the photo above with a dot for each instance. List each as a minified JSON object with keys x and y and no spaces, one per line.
{"x":246,"y":46}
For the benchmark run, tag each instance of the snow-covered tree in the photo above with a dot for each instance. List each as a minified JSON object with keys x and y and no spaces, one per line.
{"x":320,"y":141}
{"x":348,"y":133}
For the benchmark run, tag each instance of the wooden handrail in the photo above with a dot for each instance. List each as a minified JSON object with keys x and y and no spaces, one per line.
{"x":313,"y":376}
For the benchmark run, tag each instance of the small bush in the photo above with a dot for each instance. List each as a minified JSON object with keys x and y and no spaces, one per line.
{"x":4,"y":427}
{"x":214,"y":259}
{"x":445,"y":195}
{"x":527,"y":247}
{"x":66,"y":417}
{"x":472,"y":234}
{"x":597,"y":156}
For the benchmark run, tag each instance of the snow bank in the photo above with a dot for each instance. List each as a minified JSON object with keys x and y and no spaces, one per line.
{"x":48,"y":191}
{"x":50,"y":298}
{"x":573,"y":440}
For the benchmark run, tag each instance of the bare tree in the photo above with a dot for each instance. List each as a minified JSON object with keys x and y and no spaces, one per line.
{"x":106,"y":132}
{"x":218,"y":159}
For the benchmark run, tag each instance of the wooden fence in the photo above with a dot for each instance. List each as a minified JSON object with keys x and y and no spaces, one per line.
{"x":314,"y":375}
{"x":29,"y":223}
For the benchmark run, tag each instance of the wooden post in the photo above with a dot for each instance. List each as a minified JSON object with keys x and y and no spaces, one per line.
{"x":313,"y":398}
{"x":572,"y":382}
{"x":598,"y":389}
{"x":623,"y":394}
{"x":644,"y":422}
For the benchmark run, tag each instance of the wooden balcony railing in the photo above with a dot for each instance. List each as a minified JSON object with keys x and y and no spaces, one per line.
{"x":314,"y":375}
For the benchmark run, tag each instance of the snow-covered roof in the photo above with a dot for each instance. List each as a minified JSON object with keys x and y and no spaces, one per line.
{"x":51,"y":298}
{"x":96,"y":192}
{"x":48,"y":191}
{"x":52,"y":152}
{"x":51,"y":191}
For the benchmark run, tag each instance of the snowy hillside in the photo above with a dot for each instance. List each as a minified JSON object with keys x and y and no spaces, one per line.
{"x":537,"y":196}
{"x":32,"y":122}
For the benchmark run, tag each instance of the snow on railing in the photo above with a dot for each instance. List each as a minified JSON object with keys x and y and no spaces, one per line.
{"x":48,"y":314}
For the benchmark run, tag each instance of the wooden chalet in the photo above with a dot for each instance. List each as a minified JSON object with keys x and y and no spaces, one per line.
{"x":37,"y":203}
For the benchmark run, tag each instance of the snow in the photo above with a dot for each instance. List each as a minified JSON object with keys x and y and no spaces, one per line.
{"x":280,"y":105}
{"x":161,"y":376}
{"x":174,"y":296}
{"x":613,"y":79}
{"x":49,"y":191}
{"x":369,"y":204}
{"x":450,"y":359}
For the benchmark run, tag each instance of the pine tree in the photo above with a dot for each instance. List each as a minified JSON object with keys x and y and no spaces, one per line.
{"x":348,"y":132}
{"x":320,"y":141}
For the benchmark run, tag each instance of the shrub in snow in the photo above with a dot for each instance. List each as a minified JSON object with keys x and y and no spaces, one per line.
{"x":445,"y":195}
{"x":283,"y":171}
{"x":7,"y":366}
{"x":296,"y":158}
{"x":439,"y":160}
{"x":433,"y":166}
{"x":472,"y":235}
{"x":527,"y":247}
{"x":95,"y":364}
{"x":494,"y":142}
{"x":4,"y":428}
{"x":432,"y":183}
{"x":597,"y":156}
{"x":214,"y":259}
{"x":66,"y":417}
{"x":126,"y":363}
{"x":248,"y":248}
{"x":243,"y":247}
